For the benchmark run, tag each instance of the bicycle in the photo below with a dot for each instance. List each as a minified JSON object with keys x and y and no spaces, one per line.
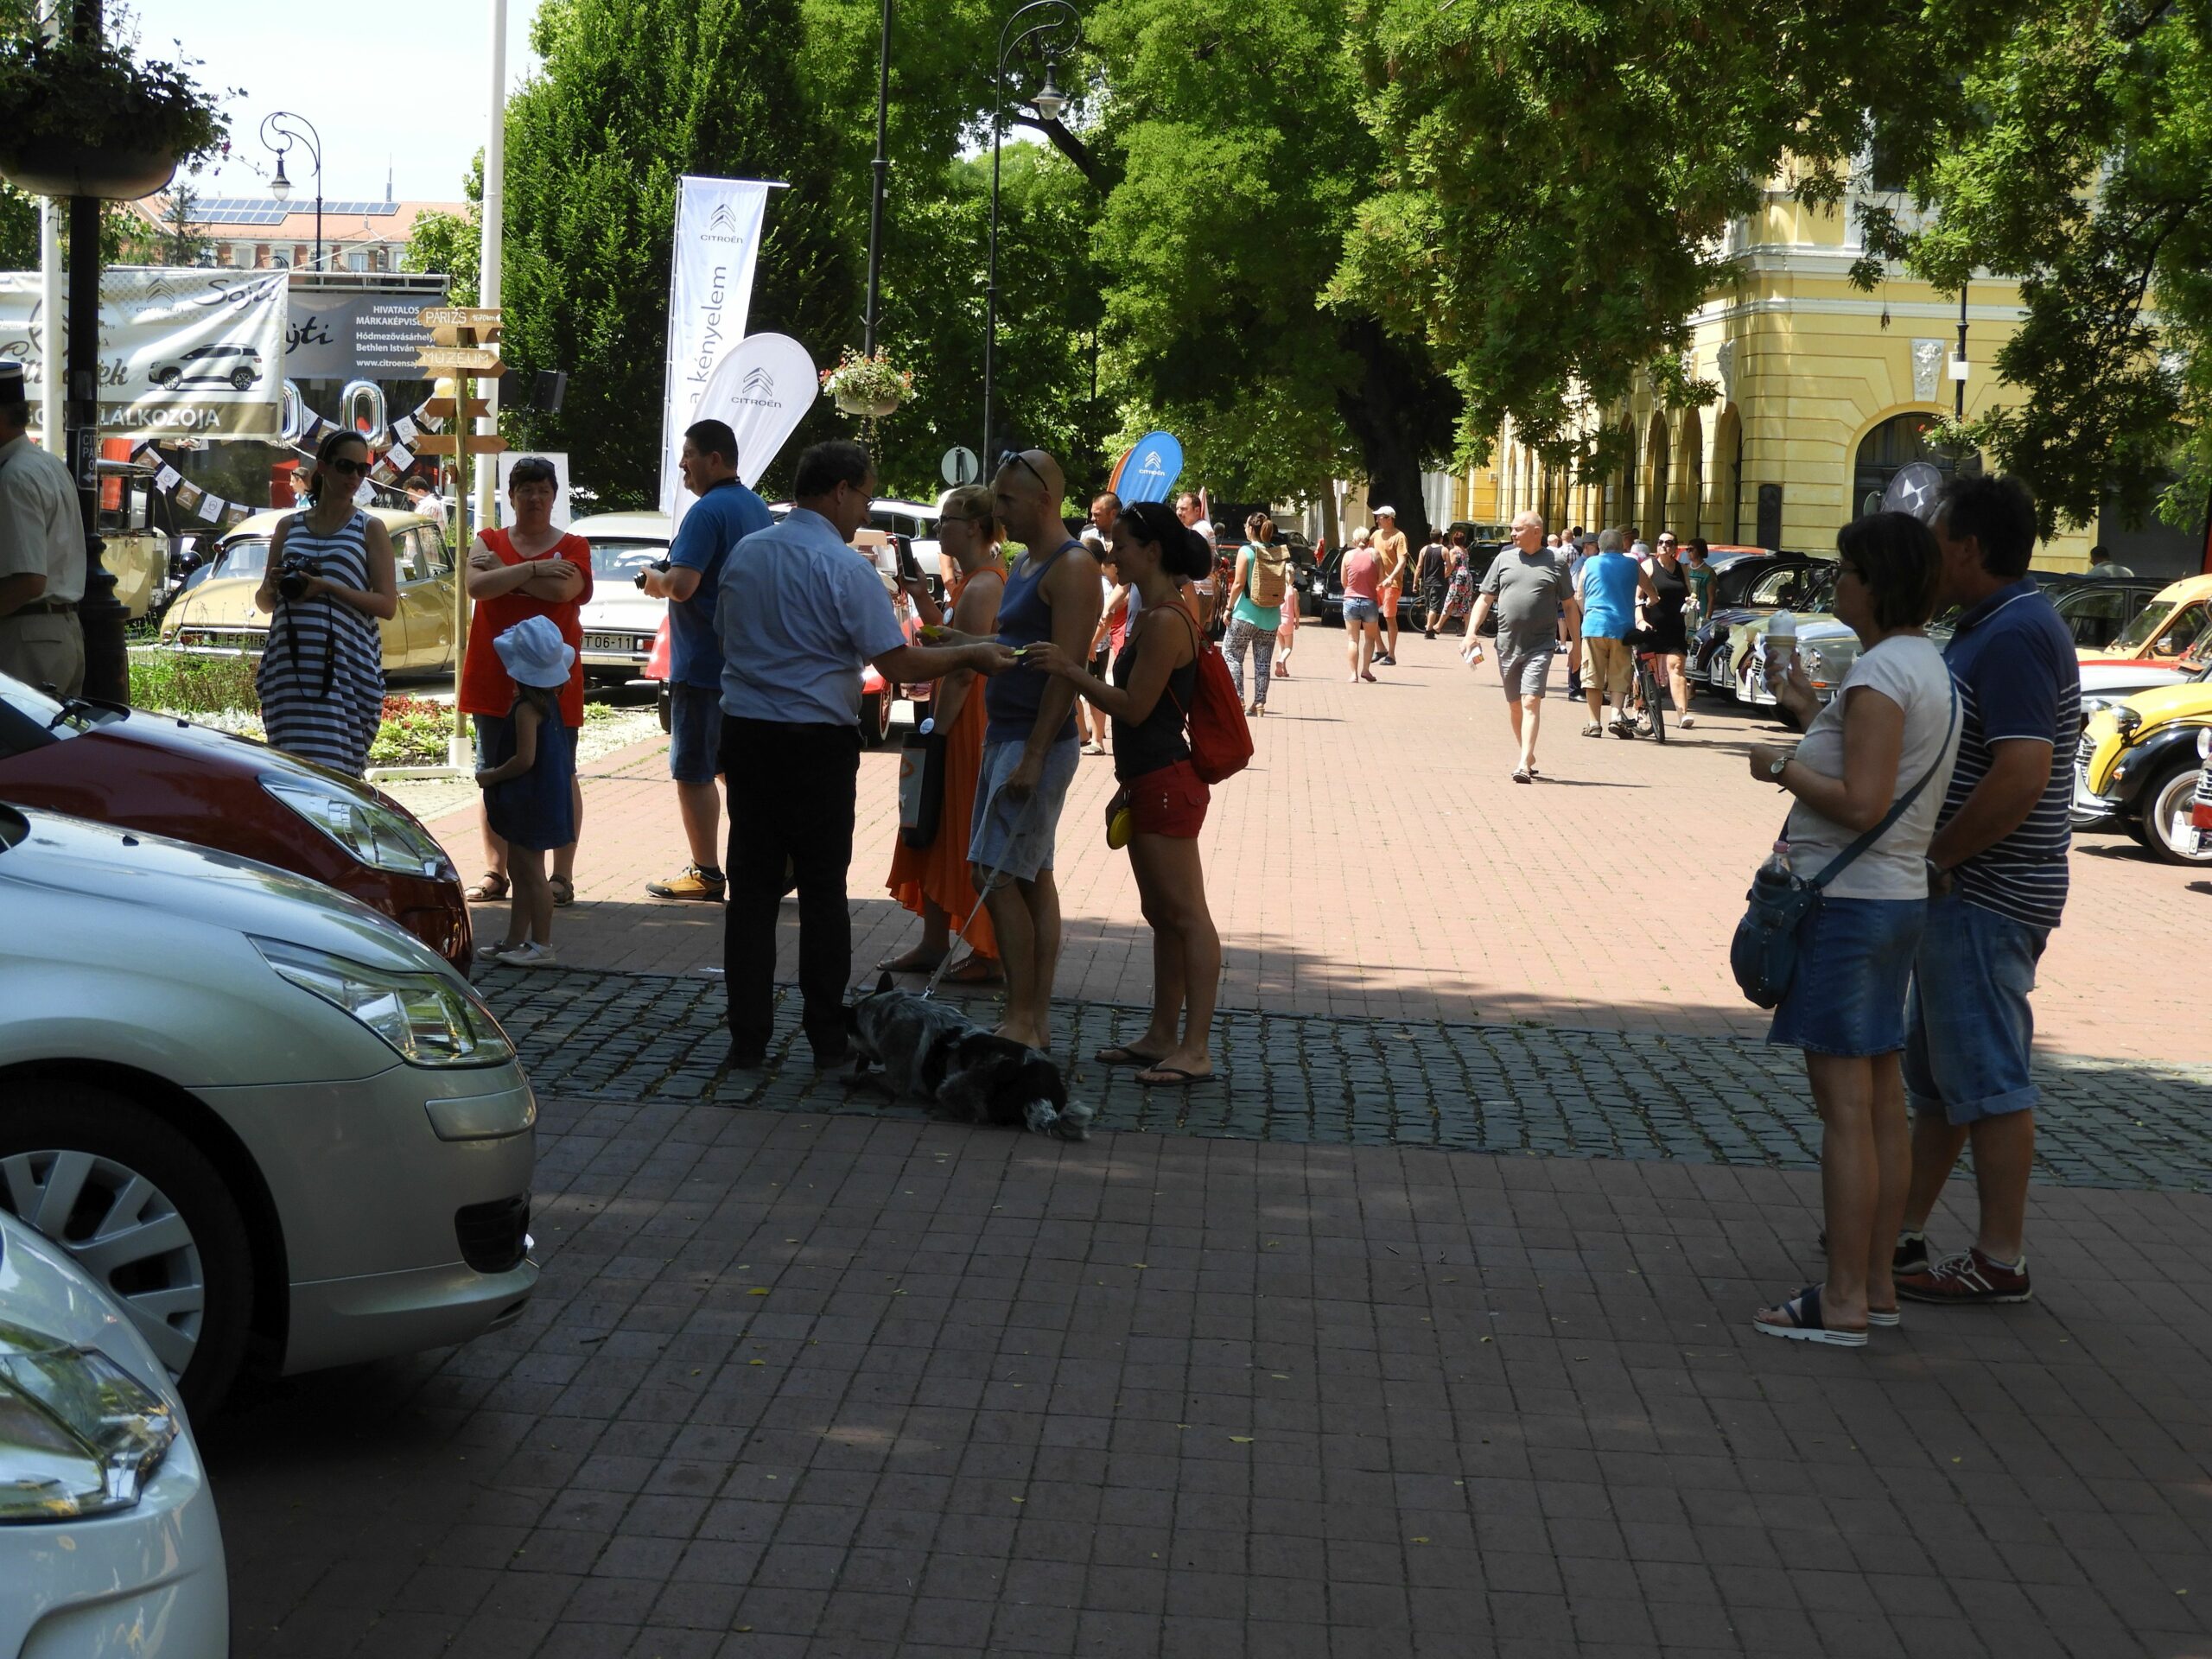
{"x":1647,"y":691}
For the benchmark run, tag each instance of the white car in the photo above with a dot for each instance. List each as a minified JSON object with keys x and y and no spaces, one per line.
{"x":622,"y":621}
{"x":271,"y":1123}
{"x":109,"y":1542}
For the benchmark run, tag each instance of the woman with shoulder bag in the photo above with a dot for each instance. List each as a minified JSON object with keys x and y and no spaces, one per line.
{"x":330,"y":580}
{"x":1869,"y":779}
{"x":1155,"y":682}
{"x":1256,"y":603}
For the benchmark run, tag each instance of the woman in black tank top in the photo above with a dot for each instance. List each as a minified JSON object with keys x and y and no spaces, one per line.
{"x":1149,"y":701}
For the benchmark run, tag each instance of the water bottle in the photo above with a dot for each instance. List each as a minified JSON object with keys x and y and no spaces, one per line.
{"x":1781,"y":647}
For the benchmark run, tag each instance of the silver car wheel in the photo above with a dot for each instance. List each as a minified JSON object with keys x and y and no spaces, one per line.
{"x":125,"y":1231}
{"x":2170,"y":818}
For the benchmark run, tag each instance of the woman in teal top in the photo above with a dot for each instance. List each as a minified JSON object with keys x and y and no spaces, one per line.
{"x":1255,"y":595}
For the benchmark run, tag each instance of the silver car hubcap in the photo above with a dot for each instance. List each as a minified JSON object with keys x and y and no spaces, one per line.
{"x":2173,"y":818}
{"x":121,"y":1229}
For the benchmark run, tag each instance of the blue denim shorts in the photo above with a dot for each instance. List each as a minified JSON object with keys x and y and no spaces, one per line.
{"x":1016,"y":837}
{"x":1970,"y":1029}
{"x":1855,"y":962}
{"x":1361,"y":610}
{"x":695,"y":733}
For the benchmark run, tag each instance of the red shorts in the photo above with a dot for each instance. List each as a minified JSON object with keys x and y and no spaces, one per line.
{"x":1169,"y":802}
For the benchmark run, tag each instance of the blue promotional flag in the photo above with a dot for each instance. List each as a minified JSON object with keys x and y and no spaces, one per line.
{"x":1148,"y":472}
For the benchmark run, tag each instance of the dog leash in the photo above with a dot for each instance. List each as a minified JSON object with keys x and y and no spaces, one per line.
{"x":994,"y":880}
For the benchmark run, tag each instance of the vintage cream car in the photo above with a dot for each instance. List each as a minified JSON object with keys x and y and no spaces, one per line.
{"x":218,"y":616}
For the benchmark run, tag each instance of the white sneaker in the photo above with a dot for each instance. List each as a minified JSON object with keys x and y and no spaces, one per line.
{"x":531,"y":955}
{"x":1686,"y":721}
{"x":496,"y":951}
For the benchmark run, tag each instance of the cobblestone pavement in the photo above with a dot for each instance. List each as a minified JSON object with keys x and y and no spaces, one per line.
{"x":1499,"y":1088}
{"x":796,"y":1384}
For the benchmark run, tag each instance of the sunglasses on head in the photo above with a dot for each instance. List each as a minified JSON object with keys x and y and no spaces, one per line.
{"x":1015,"y":458}
{"x":350,"y":468}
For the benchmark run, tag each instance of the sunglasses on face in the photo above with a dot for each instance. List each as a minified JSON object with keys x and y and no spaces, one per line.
{"x":349,"y":469}
{"x":1015,"y":458}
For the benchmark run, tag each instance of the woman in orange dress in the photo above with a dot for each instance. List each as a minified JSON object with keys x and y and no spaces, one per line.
{"x":934,"y":882}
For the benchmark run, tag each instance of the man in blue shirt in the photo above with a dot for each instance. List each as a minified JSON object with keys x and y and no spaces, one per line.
{"x":801,"y":614}
{"x":1997,"y":881}
{"x":725,"y":512}
{"x":1607,"y":589}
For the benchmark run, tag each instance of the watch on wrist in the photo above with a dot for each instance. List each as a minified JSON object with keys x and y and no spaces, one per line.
{"x":1776,"y":766}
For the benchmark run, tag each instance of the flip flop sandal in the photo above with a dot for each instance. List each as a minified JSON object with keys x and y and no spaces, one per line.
{"x":904,"y":963}
{"x":564,"y":891}
{"x":1803,"y":1312}
{"x":975,"y":970}
{"x":1172,"y":1076}
{"x":1123,"y":1055}
{"x":489,"y":889}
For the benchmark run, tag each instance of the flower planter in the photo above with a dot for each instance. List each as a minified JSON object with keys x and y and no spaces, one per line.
{"x":875,"y":408}
{"x":50,"y":167}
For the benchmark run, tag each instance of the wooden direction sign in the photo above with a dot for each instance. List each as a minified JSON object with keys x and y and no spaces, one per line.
{"x":444,"y":443}
{"x":441,"y":408}
{"x":458,"y":317}
{"x":474,"y":360}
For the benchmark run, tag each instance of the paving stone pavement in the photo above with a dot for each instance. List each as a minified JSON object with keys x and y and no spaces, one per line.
{"x":1519,"y":1088}
{"x":799,"y":1384}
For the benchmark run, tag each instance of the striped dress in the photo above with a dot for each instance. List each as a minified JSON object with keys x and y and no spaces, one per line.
{"x":321,"y":678}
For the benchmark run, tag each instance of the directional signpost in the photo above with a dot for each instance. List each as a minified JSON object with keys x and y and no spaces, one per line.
{"x":466,"y":345}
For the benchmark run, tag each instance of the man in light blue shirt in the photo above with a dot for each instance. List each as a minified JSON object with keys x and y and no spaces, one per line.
{"x":800,"y":614}
{"x":1608,"y":589}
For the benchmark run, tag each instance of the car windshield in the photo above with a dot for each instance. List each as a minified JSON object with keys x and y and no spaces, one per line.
{"x":621,"y":560}
{"x":43,"y":712}
{"x":246,"y":556}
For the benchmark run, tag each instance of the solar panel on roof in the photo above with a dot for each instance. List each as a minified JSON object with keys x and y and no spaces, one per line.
{"x":262,"y":210}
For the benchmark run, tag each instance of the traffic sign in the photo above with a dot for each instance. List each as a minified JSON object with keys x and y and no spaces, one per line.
{"x":440,"y":409}
{"x":442,"y":444}
{"x":458,"y":317}
{"x":960,"y":466}
{"x":475,"y":360}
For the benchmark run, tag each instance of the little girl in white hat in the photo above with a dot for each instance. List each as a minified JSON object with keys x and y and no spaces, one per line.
{"x":526,"y":769}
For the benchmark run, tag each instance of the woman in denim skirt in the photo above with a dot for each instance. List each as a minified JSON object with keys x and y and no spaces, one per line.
{"x":1892,"y":723}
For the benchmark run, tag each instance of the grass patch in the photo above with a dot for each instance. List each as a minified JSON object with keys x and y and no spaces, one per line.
{"x":192,"y":685}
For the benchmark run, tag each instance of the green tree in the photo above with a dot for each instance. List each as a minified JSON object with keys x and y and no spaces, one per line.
{"x":1233,"y":127}
{"x":634,"y":94}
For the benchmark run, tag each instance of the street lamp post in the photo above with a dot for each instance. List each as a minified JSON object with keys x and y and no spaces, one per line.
{"x":1058,"y":17}
{"x":875,"y":198}
{"x":279,"y":136}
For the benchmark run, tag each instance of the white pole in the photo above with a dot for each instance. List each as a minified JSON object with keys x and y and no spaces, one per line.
{"x":495,"y":194}
{"x":50,"y":310}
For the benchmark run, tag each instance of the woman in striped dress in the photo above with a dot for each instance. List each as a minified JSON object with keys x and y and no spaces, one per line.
{"x":321,"y":678}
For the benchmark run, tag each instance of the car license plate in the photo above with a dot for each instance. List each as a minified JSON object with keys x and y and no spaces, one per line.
{"x":626,"y":643}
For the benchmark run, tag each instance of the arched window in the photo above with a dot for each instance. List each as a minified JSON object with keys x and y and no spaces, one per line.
{"x":1689,"y":508}
{"x":1893,"y":445}
{"x":1656,"y":495}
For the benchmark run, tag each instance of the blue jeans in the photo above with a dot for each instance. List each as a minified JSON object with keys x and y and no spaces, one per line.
{"x":1968,"y":1028}
{"x":1855,"y":962}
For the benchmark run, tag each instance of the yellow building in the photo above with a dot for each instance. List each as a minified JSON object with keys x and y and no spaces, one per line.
{"x":1823,"y":392}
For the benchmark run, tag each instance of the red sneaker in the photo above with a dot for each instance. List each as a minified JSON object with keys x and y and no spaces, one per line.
{"x":1970,"y":1276}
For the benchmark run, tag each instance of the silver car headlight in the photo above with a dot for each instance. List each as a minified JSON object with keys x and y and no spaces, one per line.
{"x":79,"y":1435}
{"x":372,"y":832}
{"x":2097,"y":706}
{"x":427,"y":1018}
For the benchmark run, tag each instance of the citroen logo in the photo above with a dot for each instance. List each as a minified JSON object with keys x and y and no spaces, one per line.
{"x":758,"y":383}
{"x":723,"y":219}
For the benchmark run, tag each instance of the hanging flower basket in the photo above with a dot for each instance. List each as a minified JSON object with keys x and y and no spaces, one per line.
{"x":868,"y":386}
{"x":79,"y":119}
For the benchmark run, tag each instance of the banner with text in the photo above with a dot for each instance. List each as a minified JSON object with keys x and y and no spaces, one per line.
{"x":185,"y":352}
{"x":710,"y":290}
{"x":763,"y":389}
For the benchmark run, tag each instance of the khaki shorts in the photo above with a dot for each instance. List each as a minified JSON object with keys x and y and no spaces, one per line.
{"x":46,"y":648}
{"x":1610,"y":666}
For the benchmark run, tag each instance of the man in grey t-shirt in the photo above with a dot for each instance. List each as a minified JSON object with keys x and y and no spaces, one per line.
{"x":1527,"y":583}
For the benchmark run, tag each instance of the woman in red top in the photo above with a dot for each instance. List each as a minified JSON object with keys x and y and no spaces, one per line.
{"x":531,"y":569}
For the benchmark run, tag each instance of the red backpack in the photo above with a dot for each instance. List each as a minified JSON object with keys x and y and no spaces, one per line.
{"x":1221,"y":742}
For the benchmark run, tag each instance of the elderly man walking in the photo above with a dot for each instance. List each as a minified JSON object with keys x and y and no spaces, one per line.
{"x":801,"y":614}
{"x":1029,"y":746}
{"x":1607,"y":591}
{"x":1535,"y":605}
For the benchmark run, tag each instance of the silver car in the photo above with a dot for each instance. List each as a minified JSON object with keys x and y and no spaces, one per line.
{"x":269,"y":1122}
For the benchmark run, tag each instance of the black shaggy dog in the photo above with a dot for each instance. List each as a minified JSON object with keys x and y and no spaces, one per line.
{"x":933,"y":1053}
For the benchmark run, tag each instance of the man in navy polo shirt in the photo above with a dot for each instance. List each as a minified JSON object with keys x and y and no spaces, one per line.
{"x":724,"y":514}
{"x":2000,"y":850}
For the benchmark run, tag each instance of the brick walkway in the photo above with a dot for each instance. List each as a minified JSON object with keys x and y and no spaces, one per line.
{"x":1375,"y":862}
{"x":796,"y":1384}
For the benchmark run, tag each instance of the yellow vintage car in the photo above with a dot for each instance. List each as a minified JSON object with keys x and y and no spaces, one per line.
{"x":132,"y":550}
{"x":217,"y":616}
{"x":2136,"y":768}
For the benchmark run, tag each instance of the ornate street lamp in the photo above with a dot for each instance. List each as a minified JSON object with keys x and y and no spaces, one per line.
{"x":278,"y":137}
{"x":1058,"y":29}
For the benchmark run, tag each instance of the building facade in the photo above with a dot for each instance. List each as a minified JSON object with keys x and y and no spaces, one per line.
{"x":361,"y":237}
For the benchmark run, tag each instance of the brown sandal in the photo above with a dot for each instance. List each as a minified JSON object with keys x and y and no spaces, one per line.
{"x":564,"y":891}
{"x":489,"y":889}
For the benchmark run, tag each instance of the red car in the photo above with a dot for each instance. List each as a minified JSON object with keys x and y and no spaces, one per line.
{"x":167,"y":777}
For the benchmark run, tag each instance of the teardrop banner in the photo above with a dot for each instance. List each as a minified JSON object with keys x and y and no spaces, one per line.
{"x":763,"y":388}
{"x":1148,"y":472}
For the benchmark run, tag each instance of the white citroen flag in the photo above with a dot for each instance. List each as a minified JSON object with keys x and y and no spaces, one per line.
{"x":710,"y":289}
{"x":763,"y":389}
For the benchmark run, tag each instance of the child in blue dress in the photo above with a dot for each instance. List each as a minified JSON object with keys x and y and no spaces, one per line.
{"x":527,"y":764}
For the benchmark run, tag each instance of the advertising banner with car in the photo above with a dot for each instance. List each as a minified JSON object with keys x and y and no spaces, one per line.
{"x":187,"y":353}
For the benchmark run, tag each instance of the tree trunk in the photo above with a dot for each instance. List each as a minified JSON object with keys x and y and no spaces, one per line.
{"x":1400,"y":415}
